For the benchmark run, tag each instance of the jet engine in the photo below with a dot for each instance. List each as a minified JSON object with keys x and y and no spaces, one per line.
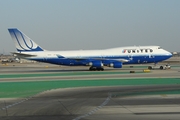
{"x":97,"y":64}
{"x":115,"y":65}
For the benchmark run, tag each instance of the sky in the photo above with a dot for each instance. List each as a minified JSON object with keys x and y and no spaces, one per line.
{"x":91,"y":24}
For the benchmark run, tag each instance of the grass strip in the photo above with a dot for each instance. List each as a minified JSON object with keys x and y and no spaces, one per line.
{"x":25,"y":89}
{"x":60,"y":74}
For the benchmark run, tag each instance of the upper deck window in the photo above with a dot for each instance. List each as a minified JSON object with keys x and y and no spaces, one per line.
{"x":159,"y":48}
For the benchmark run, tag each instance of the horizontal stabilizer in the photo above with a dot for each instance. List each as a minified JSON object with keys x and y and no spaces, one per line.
{"x":23,"y":55}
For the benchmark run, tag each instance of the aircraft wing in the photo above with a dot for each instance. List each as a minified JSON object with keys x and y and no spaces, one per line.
{"x":101,"y":59}
{"x":122,"y":60}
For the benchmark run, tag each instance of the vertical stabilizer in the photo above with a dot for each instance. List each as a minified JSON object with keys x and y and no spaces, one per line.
{"x":22,"y":42}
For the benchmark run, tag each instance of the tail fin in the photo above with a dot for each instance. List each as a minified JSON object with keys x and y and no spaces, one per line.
{"x":22,"y":42}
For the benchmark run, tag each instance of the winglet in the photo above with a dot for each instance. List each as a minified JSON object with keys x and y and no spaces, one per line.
{"x":22,"y":42}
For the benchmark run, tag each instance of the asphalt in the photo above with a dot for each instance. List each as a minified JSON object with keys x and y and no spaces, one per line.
{"x":127,"y":102}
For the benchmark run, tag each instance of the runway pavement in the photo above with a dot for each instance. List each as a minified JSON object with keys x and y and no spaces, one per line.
{"x":128,"y":102}
{"x":122,"y":102}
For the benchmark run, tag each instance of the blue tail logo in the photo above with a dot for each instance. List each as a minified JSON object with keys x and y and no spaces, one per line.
{"x":23,"y":43}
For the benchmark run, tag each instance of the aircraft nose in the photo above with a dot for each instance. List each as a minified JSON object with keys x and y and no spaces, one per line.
{"x":169,"y":54}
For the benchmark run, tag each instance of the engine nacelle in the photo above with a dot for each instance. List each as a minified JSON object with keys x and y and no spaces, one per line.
{"x":115,"y":65}
{"x":97,"y":64}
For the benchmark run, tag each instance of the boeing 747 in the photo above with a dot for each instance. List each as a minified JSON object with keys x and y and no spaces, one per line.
{"x":95,"y":59}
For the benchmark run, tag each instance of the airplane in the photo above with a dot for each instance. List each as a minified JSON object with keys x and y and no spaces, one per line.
{"x":95,"y":59}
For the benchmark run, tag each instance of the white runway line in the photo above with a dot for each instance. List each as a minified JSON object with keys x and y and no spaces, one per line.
{"x":95,"y":109}
{"x":16,"y":103}
{"x":19,"y":102}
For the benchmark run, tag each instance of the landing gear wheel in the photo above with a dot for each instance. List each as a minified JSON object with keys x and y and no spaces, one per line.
{"x":150,"y":67}
{"x":161,"y":67}
{"x":102,"y":69}
{"x":94,"y":69}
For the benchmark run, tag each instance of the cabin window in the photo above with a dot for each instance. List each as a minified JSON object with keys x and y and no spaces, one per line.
{"x":146,"y":50}
{"x":141,"y":50}
{"x":129,"y":51}
{"x":137,"y":51}
{"x":151,"y":50}
{"x":133,"y":51}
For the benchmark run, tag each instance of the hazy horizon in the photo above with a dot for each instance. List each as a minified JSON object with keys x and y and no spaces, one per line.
{"x":92,"y":24}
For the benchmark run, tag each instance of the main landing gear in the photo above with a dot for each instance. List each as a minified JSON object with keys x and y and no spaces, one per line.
{"x":96,"y":68}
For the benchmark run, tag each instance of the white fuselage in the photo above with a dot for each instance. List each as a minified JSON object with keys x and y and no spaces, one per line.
{"x":123,"y":54}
